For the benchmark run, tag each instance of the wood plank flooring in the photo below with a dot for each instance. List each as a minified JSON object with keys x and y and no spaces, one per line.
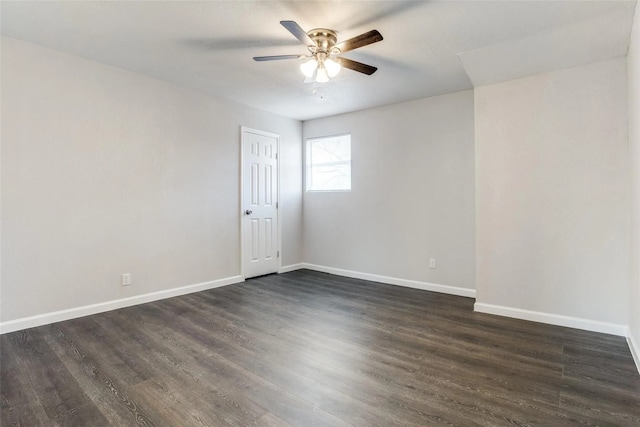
{"x":312,"y":349}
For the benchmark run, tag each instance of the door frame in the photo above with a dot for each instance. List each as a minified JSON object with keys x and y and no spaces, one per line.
{"x":244,"y":129}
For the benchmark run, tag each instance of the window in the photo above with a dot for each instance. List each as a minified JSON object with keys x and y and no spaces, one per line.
{"x":329,"y":163}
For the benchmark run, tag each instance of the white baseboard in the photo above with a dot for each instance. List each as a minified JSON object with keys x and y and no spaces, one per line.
{"x":635,"y":350}
{"x":73,"y":313}
{"x":553,"y":319}
{"x":425,"y":286}
{"x":292,"y":267}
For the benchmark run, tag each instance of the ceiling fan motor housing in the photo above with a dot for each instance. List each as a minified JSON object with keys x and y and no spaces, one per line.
{"x":325,"y":41}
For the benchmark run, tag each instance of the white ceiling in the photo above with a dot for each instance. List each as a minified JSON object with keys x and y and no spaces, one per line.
{"x":429,"y":47}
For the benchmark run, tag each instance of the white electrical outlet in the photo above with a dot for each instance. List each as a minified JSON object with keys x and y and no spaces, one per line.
{"x":126,"y":279}
{"x":432,"y":263}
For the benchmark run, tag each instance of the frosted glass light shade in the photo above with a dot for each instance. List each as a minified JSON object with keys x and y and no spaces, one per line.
{"x":321,"y":75}
{"x":333,"y":67}
{"x":309,"y":67}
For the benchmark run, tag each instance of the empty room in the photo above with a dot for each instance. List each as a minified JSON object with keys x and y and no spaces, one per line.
{"x":320,"y":213}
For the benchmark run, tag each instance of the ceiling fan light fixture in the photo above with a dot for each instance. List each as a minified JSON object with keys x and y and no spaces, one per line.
{"x":323,"y":61}
{"x":308,"y":68}
{"x":332,"y":66}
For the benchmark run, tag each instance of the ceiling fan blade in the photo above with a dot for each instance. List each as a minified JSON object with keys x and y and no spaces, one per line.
{"x":298,"y":32}
{"x":276,"y":57}
{"x":364,"y":39}
{"x":357,"y":66}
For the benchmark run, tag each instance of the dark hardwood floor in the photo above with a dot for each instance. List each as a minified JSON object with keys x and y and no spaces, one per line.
{"x":306,"y":349}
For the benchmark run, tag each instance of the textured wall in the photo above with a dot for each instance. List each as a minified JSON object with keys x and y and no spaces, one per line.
{"x":105,"y":172}
{"x":412,"y":194}
{"x":552,"y":189}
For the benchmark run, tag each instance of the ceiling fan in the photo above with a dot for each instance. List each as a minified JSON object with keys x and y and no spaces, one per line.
{"x":324,"y":60}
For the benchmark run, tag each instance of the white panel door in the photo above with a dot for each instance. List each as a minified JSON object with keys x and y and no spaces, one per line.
{"x":259,"y":202}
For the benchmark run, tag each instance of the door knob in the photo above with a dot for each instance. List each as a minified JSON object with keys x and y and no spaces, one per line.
{"x":248,"y":212}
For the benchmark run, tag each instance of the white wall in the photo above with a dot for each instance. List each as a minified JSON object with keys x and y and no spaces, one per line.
{"x":633,"y":75}
{"x":412,"y":194}
{"x":105,"y":172}
{"x":552,"y":191}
